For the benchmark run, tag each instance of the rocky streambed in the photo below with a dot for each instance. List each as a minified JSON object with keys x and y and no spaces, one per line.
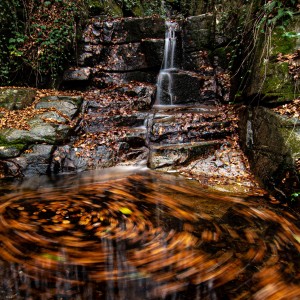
{"x":120,"y":126}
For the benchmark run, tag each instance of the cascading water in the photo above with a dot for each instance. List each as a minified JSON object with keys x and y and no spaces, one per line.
{"x":165,"y":79}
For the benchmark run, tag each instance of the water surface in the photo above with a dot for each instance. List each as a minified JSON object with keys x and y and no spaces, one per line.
{"x":139,"y":234}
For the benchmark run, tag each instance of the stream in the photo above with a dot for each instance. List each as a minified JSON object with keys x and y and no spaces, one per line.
{"x":133,"y":233}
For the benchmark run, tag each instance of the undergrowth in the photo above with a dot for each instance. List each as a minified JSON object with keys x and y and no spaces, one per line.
{"x":37,"y":38}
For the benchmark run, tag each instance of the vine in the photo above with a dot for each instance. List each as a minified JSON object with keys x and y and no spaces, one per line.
{"x":257,"y":20}
{"x":41,"y":40}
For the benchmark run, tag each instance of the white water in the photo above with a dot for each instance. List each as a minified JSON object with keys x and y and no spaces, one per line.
{"x":165,"y":77}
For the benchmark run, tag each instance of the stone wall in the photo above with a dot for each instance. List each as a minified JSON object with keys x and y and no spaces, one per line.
{"x":132,"y":49}
{"x":272,"y":144}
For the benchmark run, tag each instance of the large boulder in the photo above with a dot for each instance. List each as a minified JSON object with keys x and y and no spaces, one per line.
{"x":29,"y":152}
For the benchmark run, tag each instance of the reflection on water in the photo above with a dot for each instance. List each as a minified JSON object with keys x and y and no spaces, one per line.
{"x":142,"y":235}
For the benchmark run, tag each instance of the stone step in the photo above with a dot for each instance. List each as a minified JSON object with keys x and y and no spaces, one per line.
{"x":188,"y":124}
{"x":97,"y":122}
{"x":179,"y":154}
{"x":172,"y":134}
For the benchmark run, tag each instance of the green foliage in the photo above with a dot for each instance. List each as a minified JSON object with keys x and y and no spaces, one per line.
{"x":295,"y":196}
{"x":138,"y":8}
{"x":277,"y":13}
{"x":37,"y":38}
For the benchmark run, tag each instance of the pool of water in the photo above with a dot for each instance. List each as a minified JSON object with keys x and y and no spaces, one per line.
{"x":138,"y":234}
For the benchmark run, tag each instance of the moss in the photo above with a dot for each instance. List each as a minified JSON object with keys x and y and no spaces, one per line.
{"x":138,"y":10}
{"x":277,"y":82}
{"x":292,"y":139}
{"x":108,"y":7}
{"x":272,"y":79}
{"x":282,"y":44}
{"x":17,"y":146}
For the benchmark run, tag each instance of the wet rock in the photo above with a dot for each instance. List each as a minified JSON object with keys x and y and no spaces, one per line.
{"x":70,"y":159}
{"x":143,"y":96}
{"x":11,"y":98}
{"x":35,"y":161}
{"x":125,"y":57}
{"x":38,"y":159}
{"x":186,"y":87}
{"x":104,"y":79}
{"x":154,"y":51}
{"x":12,"y":168}
{"x":198,"y":61}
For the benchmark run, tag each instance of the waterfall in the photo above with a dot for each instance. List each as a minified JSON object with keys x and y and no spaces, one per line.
{"x":165,"y":78}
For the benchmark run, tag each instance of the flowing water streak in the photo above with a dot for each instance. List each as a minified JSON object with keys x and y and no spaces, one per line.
{"x":145,"y":236}
{"x":165,"y":75}
{"x":170,"y":45}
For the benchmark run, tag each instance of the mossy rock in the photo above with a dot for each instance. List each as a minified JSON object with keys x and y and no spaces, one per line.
{"x":278,"y":83}
{"x":107,"y":7}
{"x":19,"y":98}
{"x":11,"y":150}
{"x":282,"y":43}
{"x":272,"y":143}
{"x":271,"y":79}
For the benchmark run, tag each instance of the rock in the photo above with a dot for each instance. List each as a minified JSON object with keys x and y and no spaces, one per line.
{"x":272,"y":144}
{"x":125,"y":57}
{"x":79,"y":74}
{"x":129,"y":30}
{"x":67,"y":105}
{"x":179,"y":154}
{"x":154,"y":51}
{"x":38,"y":160}
{"x":108,"y":7}
{"x":40,"y":133}
{"x":10,"y":151}
{"x":49,"y":127}
{"x":271,"y":80}
{"x":69,"y":159}
{"x":91,"y":54}
{"x":19,"y":98}
{"x":11,"y":168}
{"x":104,"y":79}
{"x":186,"y":87}
{"x":143,"y":96}
{"x":198,"y":33}
{"x":198,"y":61}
